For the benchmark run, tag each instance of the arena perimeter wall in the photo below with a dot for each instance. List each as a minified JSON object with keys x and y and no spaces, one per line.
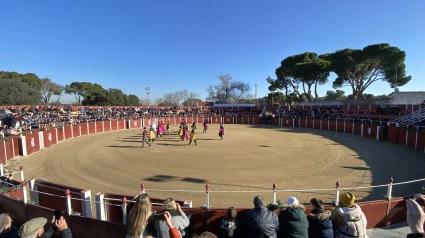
{"x":379,"y":213}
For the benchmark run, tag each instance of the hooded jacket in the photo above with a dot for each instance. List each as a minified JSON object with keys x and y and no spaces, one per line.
{"x":349,"y":222}
{"x":293,"y":222}
{"x":320,"y":225}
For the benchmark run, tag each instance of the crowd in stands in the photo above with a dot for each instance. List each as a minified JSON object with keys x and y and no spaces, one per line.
{"x":345,"y":220}
{"x":14,"y":120}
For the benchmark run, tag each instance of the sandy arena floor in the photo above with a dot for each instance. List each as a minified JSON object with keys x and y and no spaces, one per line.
{"x":249,"y":158}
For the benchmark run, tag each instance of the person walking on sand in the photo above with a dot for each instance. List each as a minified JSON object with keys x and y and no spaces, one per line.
{"x":205,"y":125}
{"x":221,"y":131}
{"x":192,"y":137}
{"x":145,"y":138}
{"x":168,"y":127}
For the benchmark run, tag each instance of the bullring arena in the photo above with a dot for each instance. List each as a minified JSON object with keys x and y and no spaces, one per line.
{"x":247,"y":162}
{"x":80,"y":169}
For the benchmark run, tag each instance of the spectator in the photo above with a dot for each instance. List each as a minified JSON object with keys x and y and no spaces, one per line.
{"x":259,"y":222}
{"x":292,"y":220}
{"x":348,"y":220}
{"x":320,"y":224}
{"x":228,"y":224}
{"x":7,"y":230}
{"x":139,"y":216}
{"x":35,"y":228}
{"x":415,"y":217}
{"x":178,"y":217}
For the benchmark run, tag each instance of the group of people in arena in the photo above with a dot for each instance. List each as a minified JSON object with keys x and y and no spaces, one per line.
{"x":183,"y":132}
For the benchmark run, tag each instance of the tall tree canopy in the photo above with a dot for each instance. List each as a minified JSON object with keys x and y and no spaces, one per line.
{"x":78,"y":89}
{"x":359,"y":68}
{"x":16,"y":92}
{"x":307,"y":70}
{"x":49,"y":88}
{"x":229,"y":90}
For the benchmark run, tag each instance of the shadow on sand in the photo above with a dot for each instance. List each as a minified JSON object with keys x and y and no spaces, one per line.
{"x":384,"y":160}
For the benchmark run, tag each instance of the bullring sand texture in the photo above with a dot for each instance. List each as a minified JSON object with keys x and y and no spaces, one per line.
{"x":250,"y":158}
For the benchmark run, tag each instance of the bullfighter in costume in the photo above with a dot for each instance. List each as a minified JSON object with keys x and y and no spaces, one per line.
{"x":221,"y":131}
{"x":205,"y":126}
{"x":145,"y":138}
{"x":192,"y":137}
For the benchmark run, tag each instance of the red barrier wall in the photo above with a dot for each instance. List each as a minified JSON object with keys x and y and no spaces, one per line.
{"x":83,"y":227}
{"x":16,"y":148}
{"x":60,"y":134}
{"x":14,"y":207}
{"x":216,"y":120}
{"x":392,"y":134}
{"x":107,"y":125}
{"x":49,"y":138}
{"x":99,"y":126}
{"x":9,"y":145}
{"x":84,"y":129}
{"x":309,"y":123}
{"x":76,"y":130}
{"x":421,"y":141}
{"x":341,"y":126}
{"x":401,"y":136}
{"x":32,"y":143}
{"x":3,"y":157}
{"x":275,"y":121}
{"x":317,"y":123}
{"x":357,"y":128}
{"x":349,"y":127}
{"x":332,"y":125}
{"x":115,"y":125}
{"x":369,"y":131}
{"x":257,"y":120}
{"x":92,"y":128}
{"x":57,"y":203}
{"x":228,"y":120}
{"x":411,"y":139}
{"x":68,"y":132}
{"x":121,"y":124}
{"x":287,"y":122}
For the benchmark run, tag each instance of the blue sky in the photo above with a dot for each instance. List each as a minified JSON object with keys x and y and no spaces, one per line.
{"x":173,"y":45}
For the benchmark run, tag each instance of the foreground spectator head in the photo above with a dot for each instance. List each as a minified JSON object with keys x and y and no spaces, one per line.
{"x":292,"y":201}
{"x":33,"y":227}
{"x":317,"y":204}
{"x":207,"y":234}
{"x":5,"y":222}
{"x":347,"y":199}
{"x":139,"y":216}
{"x":169,"y":204}
{"x":259,"y":201}
{"x":231,"y":214}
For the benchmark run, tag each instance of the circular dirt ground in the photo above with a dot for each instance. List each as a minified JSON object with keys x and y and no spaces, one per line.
{"x":249,"y":158}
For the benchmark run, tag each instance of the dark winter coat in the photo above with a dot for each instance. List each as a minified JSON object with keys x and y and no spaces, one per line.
{"x":293,"y":222}
{"x":50,"y":231}
{"x":258,"y":223}
{"x":320,"y":225}
{"x":416,"y":235}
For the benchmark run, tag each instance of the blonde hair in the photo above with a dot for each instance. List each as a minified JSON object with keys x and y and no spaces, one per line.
{"x":138,"y":218}
{"x":169,"y":204}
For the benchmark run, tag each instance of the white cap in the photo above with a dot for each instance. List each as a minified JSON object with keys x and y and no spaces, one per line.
{"x":292,"y":201}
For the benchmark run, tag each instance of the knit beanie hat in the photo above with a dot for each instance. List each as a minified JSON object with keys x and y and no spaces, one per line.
{"x":292,"y":201}
{"x":317,"y":204}
{"x":347,"y":199}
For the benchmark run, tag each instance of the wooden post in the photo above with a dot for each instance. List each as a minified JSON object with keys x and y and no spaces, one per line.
{"x":21,"y":168}
{"x":24,"y":191}
{"x":124,"y":211}
{"x":274,"y":193}
{"x":337,"y":193}
{"x":68,"y":201}
{"x":207,"y":192}
{"x":100,"y":207}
